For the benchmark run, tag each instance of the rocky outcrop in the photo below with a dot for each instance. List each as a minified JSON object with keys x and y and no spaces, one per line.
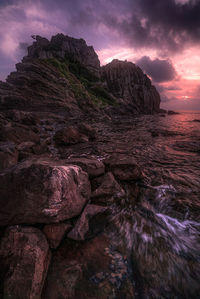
{"x":64,"y":46}
{"x":63,"y":75}
{"x":131,"y":86}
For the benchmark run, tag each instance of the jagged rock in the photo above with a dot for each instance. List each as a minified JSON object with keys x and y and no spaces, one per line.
{"x":92,"y":221}
{"x":64,"y":46}
{"x":123,"y":167}
{"x":88,"y":270}
{"x":127,"y":82}
{"x":8,"y":155}
{"x":41,"y":192}
{"x":55,"y":233}
{"x":93,"y":167}
{"x":108,"y":192}
{"x":24,"y":261}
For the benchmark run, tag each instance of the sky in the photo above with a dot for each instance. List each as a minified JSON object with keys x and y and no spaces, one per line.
{"x":161,"y":36}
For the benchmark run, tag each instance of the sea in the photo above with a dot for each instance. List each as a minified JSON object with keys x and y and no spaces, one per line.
{"x":163,"y":230}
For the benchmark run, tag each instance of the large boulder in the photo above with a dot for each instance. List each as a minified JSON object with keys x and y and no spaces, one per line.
{"x":88,"y":270}
{"x":41,"y":192}
{"x":24,"y":261}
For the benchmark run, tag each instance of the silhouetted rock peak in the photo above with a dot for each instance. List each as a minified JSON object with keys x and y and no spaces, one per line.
{"x":64,"y":46}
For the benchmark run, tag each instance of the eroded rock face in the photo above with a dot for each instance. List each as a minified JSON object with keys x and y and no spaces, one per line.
{"x":24,"y":260}
{"x":42,"y":193}
{"x":127,"y":82}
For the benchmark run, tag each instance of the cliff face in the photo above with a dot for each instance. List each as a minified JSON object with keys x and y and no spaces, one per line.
{"x":127,"y":82}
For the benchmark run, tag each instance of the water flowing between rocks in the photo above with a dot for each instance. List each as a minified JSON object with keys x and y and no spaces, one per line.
{"x":162,"y":231}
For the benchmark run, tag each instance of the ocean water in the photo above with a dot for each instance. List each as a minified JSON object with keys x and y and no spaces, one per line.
{"x":163,"y":229}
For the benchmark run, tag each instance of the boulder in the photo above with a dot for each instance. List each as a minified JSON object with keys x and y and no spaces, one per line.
{"x":108,"y":192}
{"x":24,"y":261}
{"x":8,"y":155}
{"x":124,"y":168}
{"x":92,"y":166}
{"x":92,"y":221}
{"x":55,"y":233}
{"x":67,"y":136}
{"x":41,"y":192}
{"x":88,"y":270}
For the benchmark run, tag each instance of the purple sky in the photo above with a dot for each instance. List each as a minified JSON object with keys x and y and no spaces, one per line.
{"x":161,"y":36}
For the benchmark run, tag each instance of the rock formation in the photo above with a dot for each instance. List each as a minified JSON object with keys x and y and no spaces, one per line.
{"x":66,"y":170}
{"x":127,"y":82}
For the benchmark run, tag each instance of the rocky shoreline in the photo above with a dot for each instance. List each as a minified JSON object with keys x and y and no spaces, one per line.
{"x":71,"y":179}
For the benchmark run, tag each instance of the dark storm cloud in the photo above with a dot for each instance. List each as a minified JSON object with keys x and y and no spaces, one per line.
{"x":158,"y":70}
{"x":161,"y":24}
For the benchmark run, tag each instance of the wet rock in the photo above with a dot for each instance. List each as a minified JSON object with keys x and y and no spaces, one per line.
{"x":108,"y":192}
{"x":92,"y":221}
{"x":55,"y":233}
{"x":93,"y":167}
{"x":67,"y":136}
{"x":83,"y":270}
{"x":41,"y":192}
{"x":124,"y":168}
{"x":24,"y":260}
{"x":8,"y":155}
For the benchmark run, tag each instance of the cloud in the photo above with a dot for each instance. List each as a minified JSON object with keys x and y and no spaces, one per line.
{"x":158,"y":70}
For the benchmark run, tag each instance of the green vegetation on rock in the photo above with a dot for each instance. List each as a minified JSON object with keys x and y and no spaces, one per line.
{"x":83,"y":83}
